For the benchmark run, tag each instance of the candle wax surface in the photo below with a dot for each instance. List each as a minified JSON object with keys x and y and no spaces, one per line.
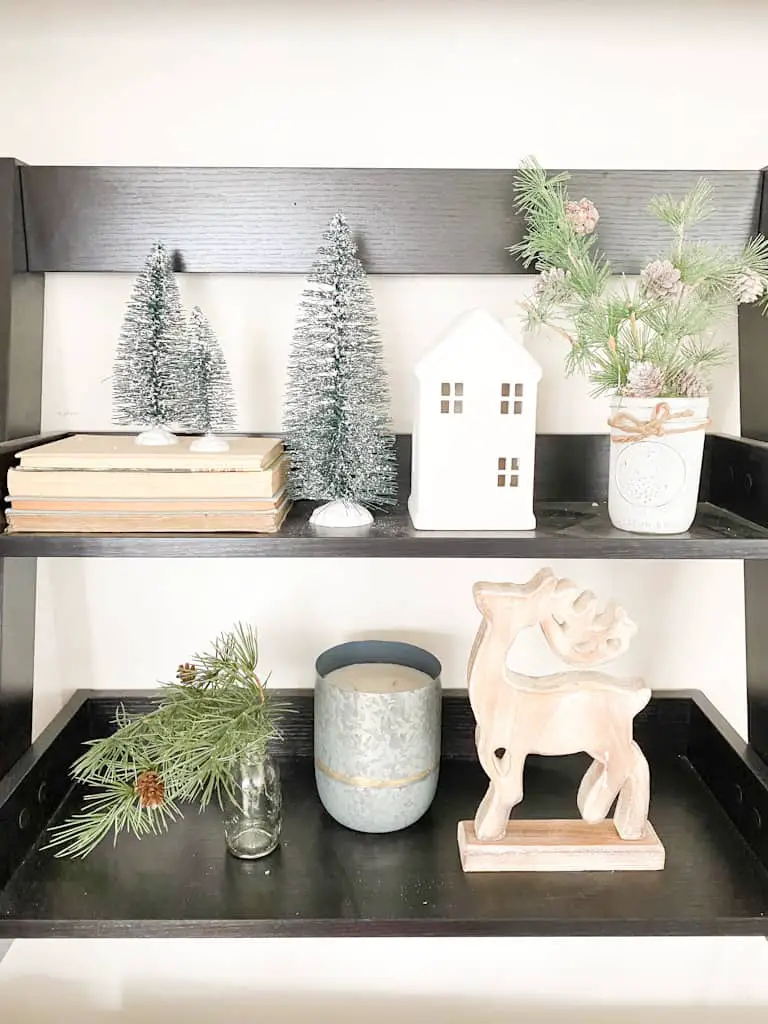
{"x":378,"y":678}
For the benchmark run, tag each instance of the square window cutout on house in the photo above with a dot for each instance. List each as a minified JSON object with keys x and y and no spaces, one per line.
{"x":518,"y":408}
{"x":505,"y":389}
{"x":518,"y":390}
{"x":455,"y":391}
{"x":505,"y":408}
{"x":507,"y":477}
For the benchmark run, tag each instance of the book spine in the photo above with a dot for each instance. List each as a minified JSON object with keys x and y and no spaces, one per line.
{"x":146,"y":484}
{"x":201,"y":523}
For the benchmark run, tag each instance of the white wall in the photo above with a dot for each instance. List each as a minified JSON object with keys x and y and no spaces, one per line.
{"x":378,"y":83}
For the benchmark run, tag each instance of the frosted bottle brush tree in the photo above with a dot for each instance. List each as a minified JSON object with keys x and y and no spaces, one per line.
{"x":337,"y":405}
{"x":210,"y":398}
{"x":148,"y":377}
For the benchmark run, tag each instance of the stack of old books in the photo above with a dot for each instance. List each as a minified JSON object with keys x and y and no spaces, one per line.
{"x":91,"y":483}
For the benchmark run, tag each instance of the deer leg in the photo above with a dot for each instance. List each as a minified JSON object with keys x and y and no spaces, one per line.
{"x":597,"y":796}
{"x":634,"y":798}
{"x":588,"y":799}
{"x":504,"y":792}
{"x":486,"y":753}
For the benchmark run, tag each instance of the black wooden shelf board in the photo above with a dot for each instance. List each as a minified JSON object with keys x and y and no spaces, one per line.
{"x":326,"y":880}
{"x":570,"y":487}
{"x":270,"y":220}
{"x":565,"y":530}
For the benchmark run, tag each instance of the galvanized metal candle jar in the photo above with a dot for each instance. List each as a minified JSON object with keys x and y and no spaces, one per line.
{"x":377,"y":733}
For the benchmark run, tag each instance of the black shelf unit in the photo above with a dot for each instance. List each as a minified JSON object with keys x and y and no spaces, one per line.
{"x":710,"y":795}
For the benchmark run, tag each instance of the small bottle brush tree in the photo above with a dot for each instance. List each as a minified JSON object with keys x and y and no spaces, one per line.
{"x":651,"y":341}
{"x":147,"y":384}
{"x":337,"y":406}
{"x":210,"y":399}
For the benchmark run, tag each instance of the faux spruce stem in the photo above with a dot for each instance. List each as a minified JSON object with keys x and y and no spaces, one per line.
{"x":665,"y":323}
{"x":136,"y":779}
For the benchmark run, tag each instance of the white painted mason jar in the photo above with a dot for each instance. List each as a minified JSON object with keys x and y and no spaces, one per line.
{"x":377,"y":733}
{"x":656,"y":450}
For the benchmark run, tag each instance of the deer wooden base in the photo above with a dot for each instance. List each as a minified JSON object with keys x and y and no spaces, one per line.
{"x":560,"y":846}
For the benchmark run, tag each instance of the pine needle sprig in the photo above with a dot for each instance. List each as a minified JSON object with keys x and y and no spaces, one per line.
{"x":681,"y":215}
{"x":114,"y":808}
{"x":755,"y":256}
{"x":550,"y":239}
{"x":121,"y":756}
{"x":225,"y":724}
{"x":667,"y":322}
{"x":184,"y":751}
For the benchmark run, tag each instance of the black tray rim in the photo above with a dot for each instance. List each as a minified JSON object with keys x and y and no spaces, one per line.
{"x":684,"y":720}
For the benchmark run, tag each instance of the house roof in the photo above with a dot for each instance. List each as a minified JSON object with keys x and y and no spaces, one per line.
{"x":478,"y":336}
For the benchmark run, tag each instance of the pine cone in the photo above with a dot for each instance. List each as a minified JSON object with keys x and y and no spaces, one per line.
{"x":550,"y":281}
{"x":748,"y":287}
{"x":186,"y":673}
{"x":582,"y":216}
{"x":689,"y":384}
{"x":644,"y":380}
{"x":660,"y":279}
{"x":151,"y":790}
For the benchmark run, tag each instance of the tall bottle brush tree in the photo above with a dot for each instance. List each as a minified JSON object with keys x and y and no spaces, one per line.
{"x":337,"y":404}
{"x":147,"y":384}
{"x":210,"y":398}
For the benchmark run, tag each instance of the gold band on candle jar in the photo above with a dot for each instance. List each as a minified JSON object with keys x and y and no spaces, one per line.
{"x":363,"y":783}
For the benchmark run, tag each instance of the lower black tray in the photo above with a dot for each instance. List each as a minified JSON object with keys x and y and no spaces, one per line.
{"x":709,"y":806}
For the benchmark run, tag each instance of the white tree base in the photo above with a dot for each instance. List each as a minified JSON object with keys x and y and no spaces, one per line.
{"x":156,"y":436}
{"x":341,"y":515}
{"x":209,"y":443}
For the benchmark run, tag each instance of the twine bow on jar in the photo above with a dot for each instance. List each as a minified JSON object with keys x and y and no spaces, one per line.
{"x":634,"y":429}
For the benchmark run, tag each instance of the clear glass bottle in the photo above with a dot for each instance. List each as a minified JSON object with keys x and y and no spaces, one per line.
{"x":253,"y":820}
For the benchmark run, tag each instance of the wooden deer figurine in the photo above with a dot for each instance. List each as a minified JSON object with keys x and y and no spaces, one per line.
{"x":583,"y":710}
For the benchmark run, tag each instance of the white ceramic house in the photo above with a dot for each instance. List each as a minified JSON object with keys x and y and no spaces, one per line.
{"x":474,"y":430}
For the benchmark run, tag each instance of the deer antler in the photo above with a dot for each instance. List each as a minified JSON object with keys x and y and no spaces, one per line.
{"x":579,"y":632}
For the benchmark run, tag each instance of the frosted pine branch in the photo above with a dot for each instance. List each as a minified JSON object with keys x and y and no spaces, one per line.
{"x":666,"y":323}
